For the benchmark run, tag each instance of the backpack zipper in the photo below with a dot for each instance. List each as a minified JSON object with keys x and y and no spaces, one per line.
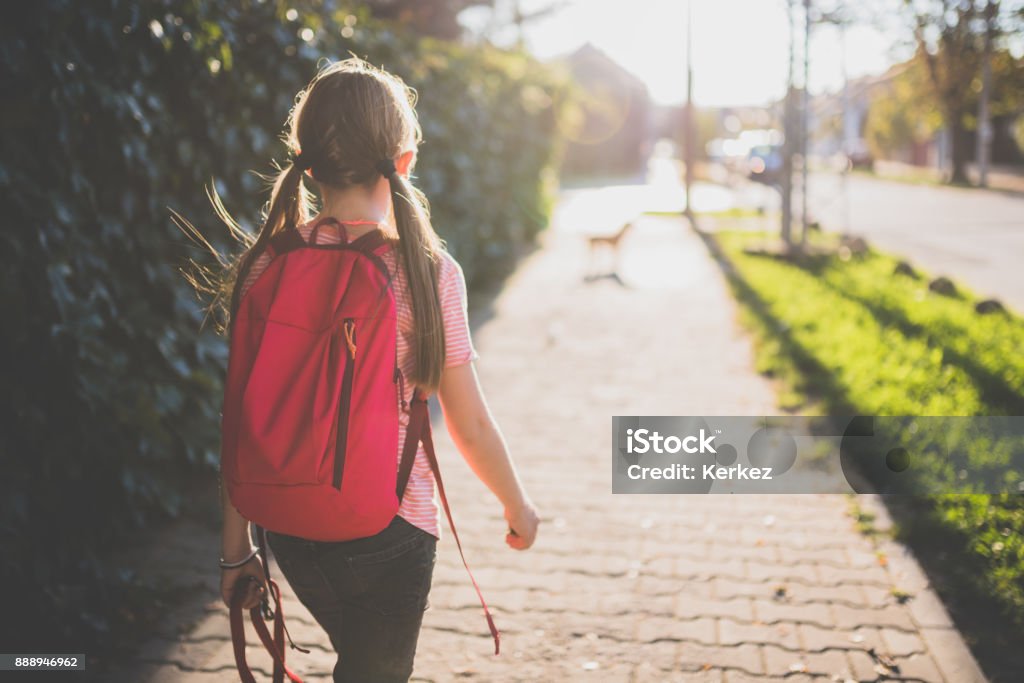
{"x":349,"y":329}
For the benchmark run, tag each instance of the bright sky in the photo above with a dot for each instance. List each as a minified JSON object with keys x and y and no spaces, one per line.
{"x":740,"y":47}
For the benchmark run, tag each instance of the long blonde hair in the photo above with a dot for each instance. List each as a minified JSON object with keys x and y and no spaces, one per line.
{"x":349,"y":119}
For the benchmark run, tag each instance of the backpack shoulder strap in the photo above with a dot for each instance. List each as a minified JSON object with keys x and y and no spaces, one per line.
{"x":285,"y":241}
{"x":419,"y":430}
{"x":373,"y":244}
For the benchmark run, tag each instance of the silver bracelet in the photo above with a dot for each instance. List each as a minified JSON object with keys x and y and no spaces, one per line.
{"x":236,"y":565}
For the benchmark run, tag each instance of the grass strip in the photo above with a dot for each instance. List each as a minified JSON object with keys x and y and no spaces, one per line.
{"x":849,"y":336}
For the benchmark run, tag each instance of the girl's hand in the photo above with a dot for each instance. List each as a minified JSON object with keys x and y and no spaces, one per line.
{"x":522,"y":526}
{"x":229,"y":580}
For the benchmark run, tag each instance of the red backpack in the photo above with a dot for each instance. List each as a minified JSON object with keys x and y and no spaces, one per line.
{"x":310,"y":417}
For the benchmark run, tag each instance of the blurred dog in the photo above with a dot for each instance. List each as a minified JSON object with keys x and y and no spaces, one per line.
{"x":610,"y":243}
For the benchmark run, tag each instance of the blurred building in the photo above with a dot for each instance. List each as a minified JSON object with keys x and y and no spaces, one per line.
{"x":834,"y":130}
{"x":614,"y":129}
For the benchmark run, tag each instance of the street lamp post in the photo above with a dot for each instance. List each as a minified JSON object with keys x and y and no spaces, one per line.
{"x":805,"y":115}
{"x":690,"y":137}
{"x":788,"y":131}
{"x":844,"y":127}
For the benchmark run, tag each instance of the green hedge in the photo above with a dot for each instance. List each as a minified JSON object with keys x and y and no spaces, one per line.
{"x":115,"y":112}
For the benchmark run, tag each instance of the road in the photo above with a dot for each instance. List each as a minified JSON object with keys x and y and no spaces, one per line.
{"x":973,"y":236}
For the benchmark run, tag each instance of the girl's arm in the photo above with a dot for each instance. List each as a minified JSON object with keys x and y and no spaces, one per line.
{"x":236,"y":544}
{"x":478,"y":438}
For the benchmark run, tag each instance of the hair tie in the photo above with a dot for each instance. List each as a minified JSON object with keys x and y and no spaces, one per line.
{"x":303,"y":162}
{"x":386,"y":168}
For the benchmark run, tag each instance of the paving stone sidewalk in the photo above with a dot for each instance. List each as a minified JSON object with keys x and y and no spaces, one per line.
{"x":626,"y":588}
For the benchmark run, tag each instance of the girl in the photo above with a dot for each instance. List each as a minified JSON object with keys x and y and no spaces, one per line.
{"x":355,"y":133}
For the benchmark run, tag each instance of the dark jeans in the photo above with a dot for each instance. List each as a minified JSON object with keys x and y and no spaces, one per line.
{"x":368,"y":594}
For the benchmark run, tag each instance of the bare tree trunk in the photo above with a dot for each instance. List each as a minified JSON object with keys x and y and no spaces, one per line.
{"x":951,"y":67}
{"x":959,"y":149}
{"x":984,"y":151}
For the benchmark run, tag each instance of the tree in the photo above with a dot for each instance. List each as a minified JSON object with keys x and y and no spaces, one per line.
{"x":521,"y":17}
{"x":905,"y":110}
{"x":507,"y":21}
{"x":904,"y":113}
{"x":437,"y":18}
{"x":950,"y":37}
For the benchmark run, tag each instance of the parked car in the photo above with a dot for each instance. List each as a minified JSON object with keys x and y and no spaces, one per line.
{"x":764,"y":163}
{"x":858,"y":154}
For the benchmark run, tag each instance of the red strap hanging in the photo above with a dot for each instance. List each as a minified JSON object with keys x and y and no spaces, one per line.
{"x":419,"y":426}
{"x":274,"y":646}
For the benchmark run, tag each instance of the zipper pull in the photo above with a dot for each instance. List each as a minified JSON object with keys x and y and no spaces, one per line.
{"x":401,"y":387}
{"x":350,"y":336}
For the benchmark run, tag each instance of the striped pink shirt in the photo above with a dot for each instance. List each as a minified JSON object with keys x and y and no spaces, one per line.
{"x":418,"y":505}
